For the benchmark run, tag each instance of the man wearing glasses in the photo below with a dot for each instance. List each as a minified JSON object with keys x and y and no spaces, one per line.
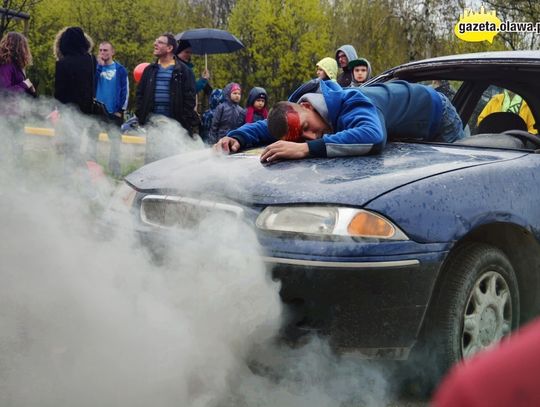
{"x":344,"y":55}
{"x":167,"y":88}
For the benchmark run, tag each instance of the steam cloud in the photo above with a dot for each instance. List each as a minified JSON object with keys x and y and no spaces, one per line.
{"x":86,"y":317}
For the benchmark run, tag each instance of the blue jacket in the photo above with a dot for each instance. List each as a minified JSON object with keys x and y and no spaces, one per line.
{"x":122,"y":87}
{"x":361,"y":118}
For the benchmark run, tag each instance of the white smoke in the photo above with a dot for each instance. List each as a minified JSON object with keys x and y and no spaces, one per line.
{"x":87,"y":318}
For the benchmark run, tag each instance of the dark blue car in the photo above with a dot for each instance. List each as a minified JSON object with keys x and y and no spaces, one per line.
{"x":426,"y":246}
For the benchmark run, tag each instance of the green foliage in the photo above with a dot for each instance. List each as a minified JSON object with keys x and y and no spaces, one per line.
{"x":373,"y":29}
{"x":284,"y":39}
{"x":131,"y":26}
{"x":15,"y":15}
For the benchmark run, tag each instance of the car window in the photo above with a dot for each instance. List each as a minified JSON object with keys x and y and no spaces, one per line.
{"x":498,"y":109}
{"x":447,"y":88}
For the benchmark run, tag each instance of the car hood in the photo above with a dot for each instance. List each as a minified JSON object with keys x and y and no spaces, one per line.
{"x":349,"y":180}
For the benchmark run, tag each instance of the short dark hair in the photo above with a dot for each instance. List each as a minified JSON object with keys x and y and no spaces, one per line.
{"x":170,"y":41}
{"x":277,"y":123}
{"x":182,"y":45}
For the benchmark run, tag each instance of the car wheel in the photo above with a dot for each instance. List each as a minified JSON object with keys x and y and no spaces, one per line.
{"x":477,"y":303}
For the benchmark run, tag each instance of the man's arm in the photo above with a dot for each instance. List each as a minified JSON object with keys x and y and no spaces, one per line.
{"x":200,"y":84}
{"x":284,"y":150}
{"x":247,"y":136}
{"x":361,"y":131}
{"x":203,"y":80}
{"x":124,"y":91}
{"x":252,"y":134}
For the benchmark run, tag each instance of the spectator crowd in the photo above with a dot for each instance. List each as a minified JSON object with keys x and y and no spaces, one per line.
{"x":96,"y":84}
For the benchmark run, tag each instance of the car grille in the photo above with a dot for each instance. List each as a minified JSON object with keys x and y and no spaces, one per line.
{"x":182,"y":212}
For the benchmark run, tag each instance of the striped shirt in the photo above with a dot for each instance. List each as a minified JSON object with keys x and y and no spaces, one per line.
{"x":162,"y":99}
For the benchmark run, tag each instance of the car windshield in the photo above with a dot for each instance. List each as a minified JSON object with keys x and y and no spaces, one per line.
{"x":495,"y":113}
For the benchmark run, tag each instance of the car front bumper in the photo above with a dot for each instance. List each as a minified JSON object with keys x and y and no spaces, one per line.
{"x":374,"y":307}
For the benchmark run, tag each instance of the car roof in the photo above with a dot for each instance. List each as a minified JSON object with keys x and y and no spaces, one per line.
{"x":474,"y":64}
{"x":481,"y":57}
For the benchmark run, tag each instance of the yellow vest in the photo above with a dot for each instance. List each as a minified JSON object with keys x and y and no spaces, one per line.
{"x":495,"y":105}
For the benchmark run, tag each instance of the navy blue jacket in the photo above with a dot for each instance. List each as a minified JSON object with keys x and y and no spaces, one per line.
{"x":227,"y":116}
{"x":361,"y":118}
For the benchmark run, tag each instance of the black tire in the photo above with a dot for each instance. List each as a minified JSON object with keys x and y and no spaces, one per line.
{"x":476,"y":303}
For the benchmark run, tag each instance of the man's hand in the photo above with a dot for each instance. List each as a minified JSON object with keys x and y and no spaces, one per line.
{"x":227,"y":145}
{"x":284,"y":150}
{"x":206,"y":74}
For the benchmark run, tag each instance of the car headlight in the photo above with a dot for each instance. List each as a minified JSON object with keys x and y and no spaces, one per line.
{"x":122,"y":199}
{"x":328,"y":221}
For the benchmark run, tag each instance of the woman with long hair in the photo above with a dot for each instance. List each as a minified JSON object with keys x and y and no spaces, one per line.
{"x":74,"y":85}
{"x":75,"y":68}
{"x":15,"y":57}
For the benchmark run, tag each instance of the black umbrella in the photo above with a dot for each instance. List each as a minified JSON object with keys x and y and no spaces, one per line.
{"x":206,"y":41}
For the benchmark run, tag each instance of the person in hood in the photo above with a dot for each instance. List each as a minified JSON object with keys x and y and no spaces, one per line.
{"x":184,"y":52}
{"x":215,"y":99}
{"x":327,"y":69}
{"x":229,"y":115}
{"x":361,"y":71}
{"x":256,"y":105}
{"x":344,"y":55}
{"x":323,"y":120}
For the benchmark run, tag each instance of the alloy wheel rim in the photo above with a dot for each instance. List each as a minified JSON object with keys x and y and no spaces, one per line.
{"x":488,"y":313}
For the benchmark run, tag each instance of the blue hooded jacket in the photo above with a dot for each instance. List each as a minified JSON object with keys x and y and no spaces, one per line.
{"x":227,"y":116}
{"x":361,"y":118}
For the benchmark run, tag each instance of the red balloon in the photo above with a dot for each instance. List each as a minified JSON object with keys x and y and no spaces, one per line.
{"x":138,"y":71}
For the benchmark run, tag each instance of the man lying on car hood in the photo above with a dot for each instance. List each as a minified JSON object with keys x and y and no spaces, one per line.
{"x":337,"y":122}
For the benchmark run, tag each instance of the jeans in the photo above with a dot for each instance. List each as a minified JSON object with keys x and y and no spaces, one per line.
{"x":451,"y":128}
{"x":111,"y":124}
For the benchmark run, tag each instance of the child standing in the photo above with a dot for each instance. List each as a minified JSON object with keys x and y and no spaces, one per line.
{"x":229,"y":115}
{"x":327,"y":69}
{"x":361,"y":71}
{"x":256,"y":105}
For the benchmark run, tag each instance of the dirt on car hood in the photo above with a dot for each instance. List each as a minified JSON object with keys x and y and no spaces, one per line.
{"x":348,"y":180}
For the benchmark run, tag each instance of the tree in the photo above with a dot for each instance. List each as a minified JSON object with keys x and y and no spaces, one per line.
{"x":372,"y":28}
{"x":218,"y":11}
{"x":131,"y":26}
{"x":13,"y":11}
{"x":518,"y":11}
{"x":284,"y":40}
